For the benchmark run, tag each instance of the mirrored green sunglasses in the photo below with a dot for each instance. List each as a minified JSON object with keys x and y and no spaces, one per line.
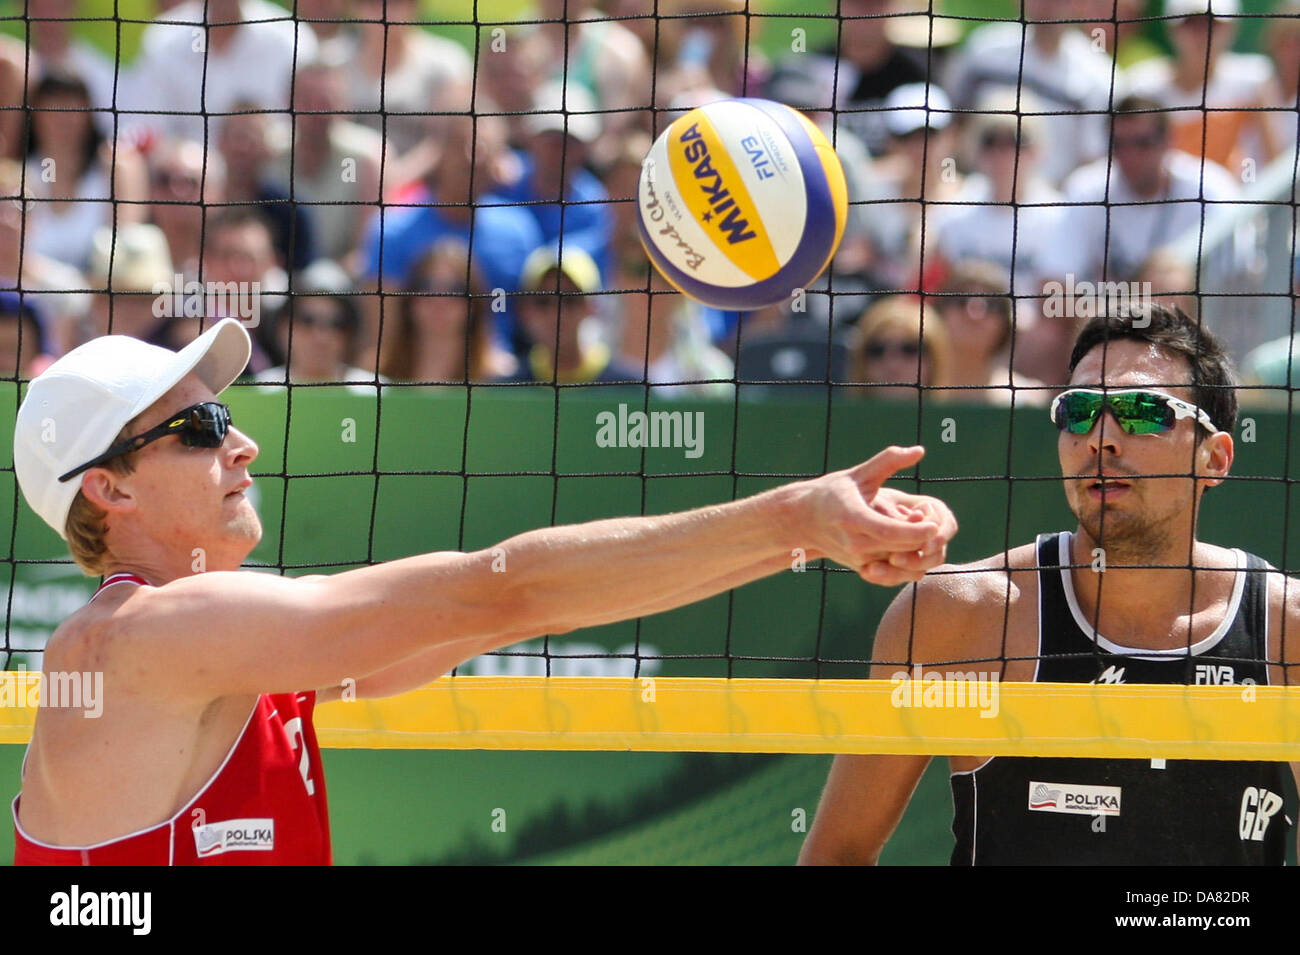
{"x":1138,"y":410}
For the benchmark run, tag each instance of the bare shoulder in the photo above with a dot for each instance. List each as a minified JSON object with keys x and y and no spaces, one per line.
{"x":963,"y":611}
{"x":1284,"y":627}
{"x":146,"y":630}
{"x":77,"y":643}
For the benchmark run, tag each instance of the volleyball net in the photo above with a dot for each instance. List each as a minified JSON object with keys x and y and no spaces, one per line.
{"x":368,"y":186}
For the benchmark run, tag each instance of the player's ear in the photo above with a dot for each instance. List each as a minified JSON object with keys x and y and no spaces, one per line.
{"x":107,"y":490}
{"x":1215,"y":455}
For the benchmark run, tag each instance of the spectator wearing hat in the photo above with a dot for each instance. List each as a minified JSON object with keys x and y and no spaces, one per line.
{"x":1213,"y":93}
{"x":567,"y":202}
{"x":316,"y":332}
{"x":558,"y":300}
{"x":1056,"y":62}
{"x":912,"y":185}
{"x":141,"y":272}
{"x":24,"y":348}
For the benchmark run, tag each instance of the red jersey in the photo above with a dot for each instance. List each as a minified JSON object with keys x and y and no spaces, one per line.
{"x":265,"y":804}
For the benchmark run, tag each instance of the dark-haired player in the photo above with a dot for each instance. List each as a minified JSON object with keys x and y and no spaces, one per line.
{"x":1150,"y":404}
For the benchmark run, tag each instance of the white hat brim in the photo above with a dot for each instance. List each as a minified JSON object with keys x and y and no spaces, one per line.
{"x":218,"y":356}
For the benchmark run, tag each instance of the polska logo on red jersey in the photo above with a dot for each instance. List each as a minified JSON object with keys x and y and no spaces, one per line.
{"x":234,"y":835}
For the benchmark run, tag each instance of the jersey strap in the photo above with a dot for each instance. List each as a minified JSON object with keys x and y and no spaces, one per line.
{"x":123,"y":578}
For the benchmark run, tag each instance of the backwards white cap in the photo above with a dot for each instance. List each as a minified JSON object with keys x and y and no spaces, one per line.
{"x":78,"y":405}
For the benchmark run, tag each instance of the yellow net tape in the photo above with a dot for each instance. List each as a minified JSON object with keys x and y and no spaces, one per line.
{"x":799,"y":716}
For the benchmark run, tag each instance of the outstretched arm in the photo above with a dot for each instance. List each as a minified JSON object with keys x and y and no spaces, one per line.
{"x":221,"y":633}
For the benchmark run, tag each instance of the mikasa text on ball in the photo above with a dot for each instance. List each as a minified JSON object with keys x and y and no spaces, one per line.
{"x":742,"y":202}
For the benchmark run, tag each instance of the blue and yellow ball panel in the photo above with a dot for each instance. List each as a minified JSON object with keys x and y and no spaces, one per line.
{"x":741,"y":202}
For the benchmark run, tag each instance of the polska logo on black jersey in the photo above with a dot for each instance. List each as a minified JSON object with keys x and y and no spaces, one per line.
{"x":1074,"y":798}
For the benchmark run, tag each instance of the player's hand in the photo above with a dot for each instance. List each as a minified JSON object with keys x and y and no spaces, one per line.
{"x":889,"y":537}
{"x":901,"y":567}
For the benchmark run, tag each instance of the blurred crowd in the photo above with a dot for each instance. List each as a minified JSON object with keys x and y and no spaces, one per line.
{"x":417,"y":208}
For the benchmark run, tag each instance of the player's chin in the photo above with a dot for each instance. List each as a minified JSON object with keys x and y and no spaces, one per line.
{"x":245,"y":525}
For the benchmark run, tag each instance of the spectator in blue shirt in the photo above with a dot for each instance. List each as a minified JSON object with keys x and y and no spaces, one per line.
{"x":563,"y":196}
{"x":456,"y":201}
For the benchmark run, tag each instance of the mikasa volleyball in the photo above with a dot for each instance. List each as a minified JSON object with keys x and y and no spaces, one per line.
{"x":742,"y":203}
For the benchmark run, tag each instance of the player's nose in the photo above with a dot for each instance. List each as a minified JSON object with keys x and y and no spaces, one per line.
{"x":242,"y":449}
{"x":1105,"y":435}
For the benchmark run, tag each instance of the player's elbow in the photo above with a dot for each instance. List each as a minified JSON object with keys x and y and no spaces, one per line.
{"x":840,"y":854}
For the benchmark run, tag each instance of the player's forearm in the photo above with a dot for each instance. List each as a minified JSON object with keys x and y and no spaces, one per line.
{"x":552,"y":580}
{"x":425,"y":667}
{"x":563,"y":578}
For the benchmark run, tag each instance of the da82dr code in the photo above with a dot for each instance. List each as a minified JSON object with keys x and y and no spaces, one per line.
{"x":1222,"y":896}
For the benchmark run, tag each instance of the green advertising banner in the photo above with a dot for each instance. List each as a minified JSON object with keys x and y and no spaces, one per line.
{"x":344,"y":479}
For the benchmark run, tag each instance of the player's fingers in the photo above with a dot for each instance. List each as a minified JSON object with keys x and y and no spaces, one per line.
{"x":873,"y":473}
{"x":879,"y":532}
{"x":931,"y":508}
{"x":919,"y":561}
{"x":883,"y":574}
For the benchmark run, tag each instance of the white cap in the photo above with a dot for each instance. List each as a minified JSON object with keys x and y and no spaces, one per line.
{"x":566,"y":107}
{"x":76,"y":407}
{"x":142,"y":261}
{"x":1197,"y":8}
{"x":913,"y":106}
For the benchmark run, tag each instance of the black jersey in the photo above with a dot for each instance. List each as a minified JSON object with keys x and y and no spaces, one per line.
{"x":1019,"y":810}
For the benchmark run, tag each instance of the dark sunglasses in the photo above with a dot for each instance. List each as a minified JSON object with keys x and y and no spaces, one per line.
{"x":200,"y":426}
{"x":881,"y":349}
{"x":1138,"y":410}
